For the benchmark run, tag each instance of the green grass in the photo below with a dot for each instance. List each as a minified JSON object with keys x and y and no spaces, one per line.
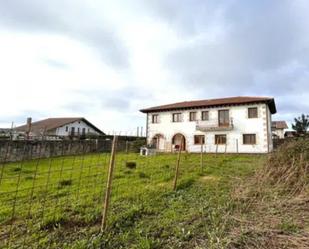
{"x":59,"y":201}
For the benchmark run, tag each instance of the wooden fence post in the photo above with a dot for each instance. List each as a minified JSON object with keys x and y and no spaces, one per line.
{"x":202,"y":159}
{"x":127,"y":146}
{"x":177,"y":166}
{"x":109,"y":184}
{"x":237,"y":146}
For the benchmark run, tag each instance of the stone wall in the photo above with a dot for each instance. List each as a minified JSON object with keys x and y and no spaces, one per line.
{"x":13,"y":151}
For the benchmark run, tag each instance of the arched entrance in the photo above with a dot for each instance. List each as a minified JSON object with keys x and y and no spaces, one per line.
{"x":179,"y":141}
{"x":158,"y":142}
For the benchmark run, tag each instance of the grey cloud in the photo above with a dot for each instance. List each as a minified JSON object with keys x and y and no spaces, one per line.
{"x":260,"y":48}
{"x":186,"y":17}
{"x":20,"y":119}
{"x":55,"y":63}
{"x":115,"y":103}
{"x":123,"y":99}
{"x":72,"y":18}
{"x":262,"y":51}
{"x":78,"y":106}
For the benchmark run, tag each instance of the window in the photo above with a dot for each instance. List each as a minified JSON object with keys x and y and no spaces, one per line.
{"x":78,"y":130}
{"x":252,"y":112}
{"x":220,"y":139}
{"x":177,"y":117}
{"x":224,"y":118}
{"x":66,"y":128}
{"x":72,"y":131}
{"x":249,"y":139}
{"x":192,"y":116}
{"x":155,"y":118}
{"x":84,"y":131}
{"x":199,"y":139}
{"x":205,"y":115}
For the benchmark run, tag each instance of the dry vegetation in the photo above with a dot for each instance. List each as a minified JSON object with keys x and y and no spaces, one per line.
{"x":273,"y":208}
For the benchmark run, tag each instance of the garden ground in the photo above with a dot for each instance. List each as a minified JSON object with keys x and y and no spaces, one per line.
{"x":57,"y":202}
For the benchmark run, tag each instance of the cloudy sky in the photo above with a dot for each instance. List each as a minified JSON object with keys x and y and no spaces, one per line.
{"x":105,"y":60}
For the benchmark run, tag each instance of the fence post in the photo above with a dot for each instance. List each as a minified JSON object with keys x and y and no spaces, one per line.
{"x":127,"y":146}
{"x":109,"y":184}
{"x":202,"y":157}
{"x":177,"y":166}
{"x":237,"y":146}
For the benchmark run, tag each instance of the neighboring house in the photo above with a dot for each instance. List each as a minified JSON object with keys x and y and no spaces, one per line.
{"x":60,"y":127}
{"x":5,"y":133}
{"x":290,"y":134}
{"x":277,"y":129}
{"x":232,"y":125}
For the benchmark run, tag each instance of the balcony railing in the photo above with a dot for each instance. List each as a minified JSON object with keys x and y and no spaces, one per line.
{"x":213,"y":125}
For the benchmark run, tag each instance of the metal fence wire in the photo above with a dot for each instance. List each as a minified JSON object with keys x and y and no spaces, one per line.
{"x":47,"y":190}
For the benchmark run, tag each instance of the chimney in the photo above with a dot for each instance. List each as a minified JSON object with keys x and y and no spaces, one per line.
{"x":28,"y":128}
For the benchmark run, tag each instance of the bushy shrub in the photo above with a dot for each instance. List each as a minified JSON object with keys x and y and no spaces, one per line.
{"x":136,"y":145}
{"x":131,"y":165}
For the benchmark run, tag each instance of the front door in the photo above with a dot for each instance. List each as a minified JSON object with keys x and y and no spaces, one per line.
{"x":179,"y":141}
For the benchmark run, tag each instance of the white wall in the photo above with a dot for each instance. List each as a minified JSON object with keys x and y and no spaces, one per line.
{"x":242,"y":125}
{"x":61,"y":131}
{"x":279,"y":133}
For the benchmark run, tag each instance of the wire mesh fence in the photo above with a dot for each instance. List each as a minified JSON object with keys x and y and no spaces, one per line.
{"x":43,"y":197}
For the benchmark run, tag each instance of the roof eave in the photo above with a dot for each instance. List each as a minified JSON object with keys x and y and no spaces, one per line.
{"x":269,"y":102}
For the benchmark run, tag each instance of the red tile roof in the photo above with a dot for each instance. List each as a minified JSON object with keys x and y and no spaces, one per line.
{"x":213,"y":103}
{"x":53,"y":123}
{"x":279,"y":125}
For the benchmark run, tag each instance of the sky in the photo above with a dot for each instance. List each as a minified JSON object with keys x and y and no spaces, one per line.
{"x":106,"y":60}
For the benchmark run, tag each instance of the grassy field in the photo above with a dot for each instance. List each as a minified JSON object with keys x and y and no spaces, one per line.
{"x":57,"y":202}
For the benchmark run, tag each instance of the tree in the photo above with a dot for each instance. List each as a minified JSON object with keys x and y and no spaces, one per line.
{"x":301,"y":124}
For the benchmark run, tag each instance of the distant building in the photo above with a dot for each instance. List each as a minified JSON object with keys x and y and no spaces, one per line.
{"x":232,"y":125}
{"x":60,"y":128}
{"x":277,"y":129}
{"x":290,"y":134}
{"x":5,"y":133}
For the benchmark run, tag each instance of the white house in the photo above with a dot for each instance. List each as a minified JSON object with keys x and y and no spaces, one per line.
{"x":60,"y":127}
{"x":232,"y":125}
{"x":277,"y":128}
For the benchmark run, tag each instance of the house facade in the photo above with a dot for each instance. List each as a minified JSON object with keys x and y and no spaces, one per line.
{"x":231,"y":125}
{"x":277,"y":129}
{"x":59,"y":128}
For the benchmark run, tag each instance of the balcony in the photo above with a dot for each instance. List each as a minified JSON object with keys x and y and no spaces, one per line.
{"x":213,"y":125}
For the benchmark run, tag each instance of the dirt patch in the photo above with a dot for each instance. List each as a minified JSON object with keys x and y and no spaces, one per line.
{"x":209,"y":178}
